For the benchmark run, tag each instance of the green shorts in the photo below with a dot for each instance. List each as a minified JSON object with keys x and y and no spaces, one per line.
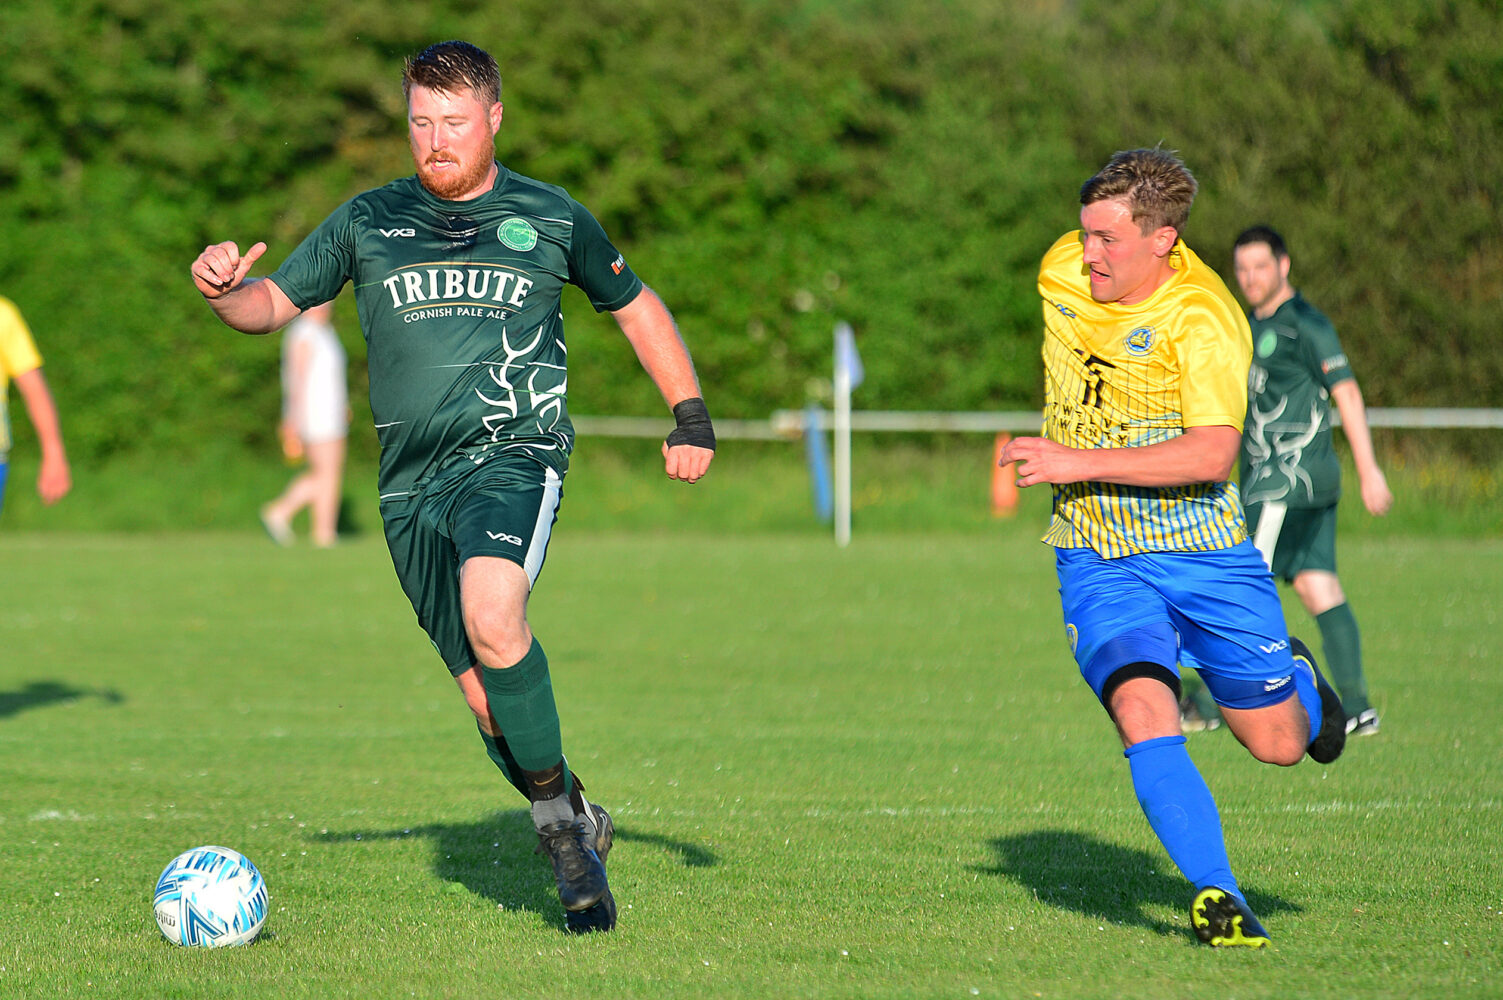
{"x":1293,"y":539}
{"x":504,"y":508}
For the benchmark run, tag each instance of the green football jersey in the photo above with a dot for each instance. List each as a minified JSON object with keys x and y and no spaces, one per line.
{"x":459,"y":302}
{"x":1287,"y":455}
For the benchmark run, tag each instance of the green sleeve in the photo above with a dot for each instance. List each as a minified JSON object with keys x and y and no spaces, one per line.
{"x":322,"y":263}
{"x":1323,"y":351}
{"x":597,"y":267}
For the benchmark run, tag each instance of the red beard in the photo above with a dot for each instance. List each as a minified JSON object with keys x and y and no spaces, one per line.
{"x":451,"y":183}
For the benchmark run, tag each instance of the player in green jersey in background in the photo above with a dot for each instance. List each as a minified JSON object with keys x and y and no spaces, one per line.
{"x":1290,"y":475}
{"x":458,"y":273}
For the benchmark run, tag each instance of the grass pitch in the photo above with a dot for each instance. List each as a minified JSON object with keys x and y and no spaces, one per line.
{"x":861,"y":773}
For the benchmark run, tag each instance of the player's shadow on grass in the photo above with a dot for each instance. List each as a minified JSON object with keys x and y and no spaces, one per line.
{"x":39,"y":694}
{"x":1106,"y":882}
{"x":495,"y":858}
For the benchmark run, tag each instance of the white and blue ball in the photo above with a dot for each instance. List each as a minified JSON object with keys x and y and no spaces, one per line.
{"x":210,"y":897}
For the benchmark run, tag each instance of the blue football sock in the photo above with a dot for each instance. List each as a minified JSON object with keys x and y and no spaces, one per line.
{"x":1181,"y":811}
{"x":1309,"y":696}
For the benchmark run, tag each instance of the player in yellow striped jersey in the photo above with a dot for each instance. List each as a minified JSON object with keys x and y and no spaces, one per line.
{"x":1114,"y":381}
{"x":20,"y":362}
{"x":1146,"y":356}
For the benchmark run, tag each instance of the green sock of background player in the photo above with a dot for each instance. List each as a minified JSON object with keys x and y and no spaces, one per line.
{"x":1343,"y":656}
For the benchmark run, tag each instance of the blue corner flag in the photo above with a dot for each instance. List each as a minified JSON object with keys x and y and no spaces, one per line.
{"x":818,"y":455}
{"x":847,"y":358}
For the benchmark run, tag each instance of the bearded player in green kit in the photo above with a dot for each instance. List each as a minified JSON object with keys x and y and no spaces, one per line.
{"x":1290,"y":475}
{"x":458,"y":273}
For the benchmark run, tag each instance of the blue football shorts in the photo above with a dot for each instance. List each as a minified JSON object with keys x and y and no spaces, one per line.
{"x":1216,"y":611}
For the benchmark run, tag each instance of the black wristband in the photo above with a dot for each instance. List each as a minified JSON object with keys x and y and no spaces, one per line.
{"x":694,"y":427}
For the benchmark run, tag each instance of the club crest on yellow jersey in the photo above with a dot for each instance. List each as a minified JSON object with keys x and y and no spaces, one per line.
{"x":1139,"y":341}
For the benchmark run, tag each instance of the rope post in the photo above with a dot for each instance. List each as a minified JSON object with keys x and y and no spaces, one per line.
{"x":1004,"y":481}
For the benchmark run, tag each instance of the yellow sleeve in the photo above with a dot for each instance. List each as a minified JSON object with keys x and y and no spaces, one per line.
{"x":1214,"y":348}
{"x":18,"y":352}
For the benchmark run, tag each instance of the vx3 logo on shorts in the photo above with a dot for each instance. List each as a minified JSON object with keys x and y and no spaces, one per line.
{"x":1274,"y":647}
{"x":399,"y":232}
{"x":501,"y":536}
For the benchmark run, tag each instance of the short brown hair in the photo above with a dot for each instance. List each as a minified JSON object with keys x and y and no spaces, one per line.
{"x":1156,"y":185}
{"x":1263,"y":234}
{"x":450,"y":67}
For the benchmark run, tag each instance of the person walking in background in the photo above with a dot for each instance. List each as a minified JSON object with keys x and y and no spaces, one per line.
{"x":1290,"y":475}
{"x":20,"y":363}
{"x":1145,"y":360}
{"x":458,"y":275}
{"x":315,"y":422}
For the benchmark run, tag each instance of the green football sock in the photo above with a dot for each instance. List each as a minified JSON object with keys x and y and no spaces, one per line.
{"x":521,"y":702}
{"x":496,"y":748}
{"x":1343,"y":649}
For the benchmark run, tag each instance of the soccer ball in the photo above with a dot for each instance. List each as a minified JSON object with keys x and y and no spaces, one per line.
{"x":210,"y":897}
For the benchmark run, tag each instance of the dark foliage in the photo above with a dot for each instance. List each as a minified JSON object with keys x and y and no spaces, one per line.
{"x":771,"y":167}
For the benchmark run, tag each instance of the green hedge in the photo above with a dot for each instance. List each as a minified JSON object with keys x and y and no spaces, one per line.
{"x":771,"y":167}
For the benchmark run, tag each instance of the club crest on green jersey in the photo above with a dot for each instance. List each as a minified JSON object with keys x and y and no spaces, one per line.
{"x":518,"y":234}
{"x":1267,"y":343}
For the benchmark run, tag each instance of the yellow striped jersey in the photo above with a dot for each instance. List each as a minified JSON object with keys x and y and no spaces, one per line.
{"x":1125,"y":376}
{"x":18,"y":355}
